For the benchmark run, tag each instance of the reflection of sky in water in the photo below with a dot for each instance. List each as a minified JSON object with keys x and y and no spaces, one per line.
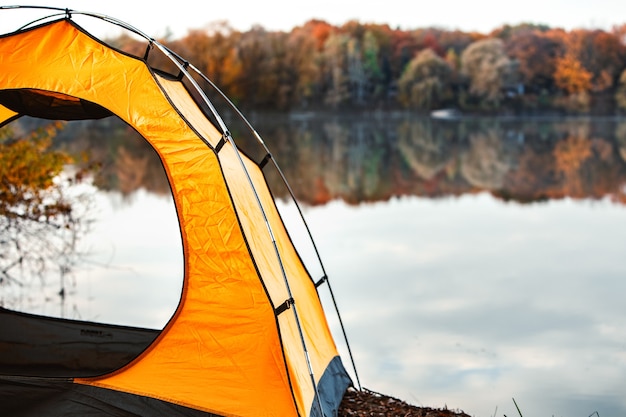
{"x":135,"y":277}
{"x":465,"y":302}
{"x":470,"y":301}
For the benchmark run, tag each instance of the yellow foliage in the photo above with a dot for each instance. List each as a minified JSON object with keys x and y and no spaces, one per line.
{"x":571,"y":153}
{"x":571,"y":76}
{"x":27,"y":169}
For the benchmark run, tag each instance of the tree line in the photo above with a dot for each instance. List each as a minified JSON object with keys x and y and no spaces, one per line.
{"x":41,"y":217}
{"x":517,"y":69}
{"x":372,"y":159}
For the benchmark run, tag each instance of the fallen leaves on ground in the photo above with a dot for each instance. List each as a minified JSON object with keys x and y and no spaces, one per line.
{"x":372,"y":404}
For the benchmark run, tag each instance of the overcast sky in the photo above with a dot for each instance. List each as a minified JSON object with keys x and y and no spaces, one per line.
{"x":481,"y":15}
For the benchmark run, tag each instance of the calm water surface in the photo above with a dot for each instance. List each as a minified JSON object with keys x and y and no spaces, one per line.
{"x":473,"y":261}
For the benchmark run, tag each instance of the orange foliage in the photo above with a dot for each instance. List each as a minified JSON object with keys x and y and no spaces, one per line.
{"x":27,"y":169}
{"x":283,"y":71}
{"x":214,"y":52}
{"x":232,"y":72}
{"x":569,"y":75}
{"x":599,"y":55}
{"x":320,"y":31}
{"x":571,"y":153}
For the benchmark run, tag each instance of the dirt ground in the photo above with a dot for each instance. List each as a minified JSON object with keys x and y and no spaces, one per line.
{"x":372,"y":404}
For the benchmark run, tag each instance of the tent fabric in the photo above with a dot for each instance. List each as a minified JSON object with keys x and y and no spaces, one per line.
{"x":225,"y":351}
{"x":6,"y":115}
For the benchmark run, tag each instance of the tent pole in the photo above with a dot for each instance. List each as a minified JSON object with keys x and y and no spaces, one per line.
{"x":283,"y":273}
{"x":229,"y":139}
{"x":61,"y":11}
{"x":301,"y":214}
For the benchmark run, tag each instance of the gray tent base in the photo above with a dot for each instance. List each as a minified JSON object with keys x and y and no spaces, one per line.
{"x":55,"y":397}
{"x":332,"y":386}
{"x":60,"y":397}
{"x":33,"y":345}
{"x":40,"y":355}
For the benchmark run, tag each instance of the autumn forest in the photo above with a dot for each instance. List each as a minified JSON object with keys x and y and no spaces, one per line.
{"x":523,"y":69}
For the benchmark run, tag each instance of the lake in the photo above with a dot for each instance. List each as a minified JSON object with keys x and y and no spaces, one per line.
{"x":473,"y":260}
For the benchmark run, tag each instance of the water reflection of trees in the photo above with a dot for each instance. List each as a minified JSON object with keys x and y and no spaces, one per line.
{"x":43,"y":213}
{"x":370,"y":159}
{"x":355,"y":159}
{"x":126,"y":161}
{"x":380,"y":156}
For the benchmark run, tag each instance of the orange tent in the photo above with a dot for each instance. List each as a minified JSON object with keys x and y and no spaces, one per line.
{"x":249,"y":336}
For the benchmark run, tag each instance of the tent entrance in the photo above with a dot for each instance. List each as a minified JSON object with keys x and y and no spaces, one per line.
{"x":84,"y":269}
{"x":50,"y":105}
